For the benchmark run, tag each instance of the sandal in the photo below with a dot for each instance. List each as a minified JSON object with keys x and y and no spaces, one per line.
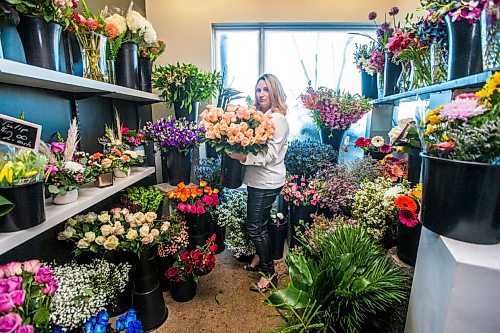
{"x":249,"y":267}
{"x":265,"y":289}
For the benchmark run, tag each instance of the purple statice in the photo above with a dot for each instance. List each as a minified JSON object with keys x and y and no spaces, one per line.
{"x":171,"y":134}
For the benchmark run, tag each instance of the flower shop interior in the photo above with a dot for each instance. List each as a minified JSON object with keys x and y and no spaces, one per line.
{"x":124,"y":209}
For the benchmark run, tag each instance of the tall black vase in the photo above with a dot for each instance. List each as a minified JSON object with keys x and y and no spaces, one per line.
{"x":298,"y":213}
{"x":184,"y":112}
{"x":464,"y":48}
{"x":41,"y":41}
{"x":184,"y":291}
{"x":21,"y":217}
{"x":408,"y":239}
{"x":197,"y":228}
{"x":332,"y":137}
{"x":176,"y":167}
{"x":147,"y":298}
{"x":391,"y":76}
{"x":369,"y":85}
{"x":145,"y":70}
{"x":414,"y":165}
{"x":232,"y":172}
{"x":127,"y":66}
{"x":211,"y":152}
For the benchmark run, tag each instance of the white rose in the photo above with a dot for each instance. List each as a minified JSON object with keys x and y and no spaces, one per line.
{"x":90,"y":217}
{"x":165,"y":226}
{"x":144,"y":230}
{"x":106,"y":230}
{"x":89,"y":236}
{"x":150,"y":216}
{"x":111,"y":243}
{"x":73,"y":167}
{"x":135,"y":21}
{"x":131,"y":153}
{"x":104,"y":217}
{"x":155,"y":233}
{"x":100,"y":240}
{"x":69,"y":232}
{"x":140,"y":217}
{"x":125,"y":211}
{"x":82,"y":244}
{"x":132,"y":234}
{"x":280,"y":216}
{"x":72,"y":221}
{"x":147,"y":239}
{"x":118,"y":229}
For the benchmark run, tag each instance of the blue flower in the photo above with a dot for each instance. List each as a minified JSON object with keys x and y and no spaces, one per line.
{"x":58,"y":329}
{"x":97,"y":324}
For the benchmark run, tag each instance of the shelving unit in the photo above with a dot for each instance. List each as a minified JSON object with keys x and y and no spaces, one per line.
{"x":56,"y":214}
{"x":17,"y":73}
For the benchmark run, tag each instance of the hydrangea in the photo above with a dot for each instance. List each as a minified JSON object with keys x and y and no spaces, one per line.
{"x":135,"y":21}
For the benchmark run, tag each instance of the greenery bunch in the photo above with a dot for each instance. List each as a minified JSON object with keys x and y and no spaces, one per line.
{"x":306,"y":157}
{"x":148,"y":198}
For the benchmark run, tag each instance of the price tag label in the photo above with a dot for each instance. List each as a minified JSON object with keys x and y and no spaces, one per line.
{"x":19,"y":133}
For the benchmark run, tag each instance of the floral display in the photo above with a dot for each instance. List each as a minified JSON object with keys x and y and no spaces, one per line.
{"x":384,"y":30}
{"x":194,"y":199}
{"x":375,"y":144}
{"x":132,"y":137}
{"x":334,"y":109}
{"x":62,"y":173}
{"x":171,"y":134}
{"x":115,"y":230}
{"x":239,"y":129}
{"x":127,"y":323}
{"x":364,"y":168}
{"x":365,"y":59}
{"x":336,"y":188}
{"x":457,"y":10}
{"x":179,"y":237}
{"x":100,"y":164}
{"x":123,"y":159}
{"x":21,"y":167}
{"x":51,"y":10}
{"x":153,"y":50}
{"x":209,"y":169}
{"x":377,"y":61}
{"x":193,"y":263}
{"x":394,"y":169}
{"x":84,"y":290}
{"x":409,"y":206}
{"x":405,"y":134}
{"x":231,"y":214}
{"x":467,"y":128}
{"x":301,"y":191}
{"x":26,"y":289}
{"x":300,"y":161}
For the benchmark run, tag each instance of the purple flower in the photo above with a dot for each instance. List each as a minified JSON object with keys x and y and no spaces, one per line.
{"x":394,"y":11}
{"x":18,"y":297}
{"x":6,"y":303}
{"x":25,"y":329}
{"x":372,"y":16}
{"x":51,"y":168}
{"x":44,"y":275}
{"x":10,"y":284}
{"x":51,"y":287}
{"x":57,"y":147}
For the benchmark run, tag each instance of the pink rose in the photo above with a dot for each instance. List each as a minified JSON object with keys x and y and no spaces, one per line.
{"x":6,"y":303}
{"x":57,"y":147}
{"x":125,"y":130}
{"x":18,"y":297}
{"x":10,"y":322}
{"x":32,"y":266}
{"x":12,"y":269}
{"x":25,"y":329}
{"x":44,"y":275}
{"x":181,"y":207}
{"x":200,"y":210}
{"x":192,"y":209}
{"x":10,"y":284}
{"x":50,"y":288}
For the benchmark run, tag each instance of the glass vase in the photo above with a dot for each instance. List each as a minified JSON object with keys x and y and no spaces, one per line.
{"x":404,"y":79}
{"x":490,"y":37}
{"x":420,"y":73}
{"x":438,"y":63}
{"x":110,"y":66}
{"x":94,"y":55}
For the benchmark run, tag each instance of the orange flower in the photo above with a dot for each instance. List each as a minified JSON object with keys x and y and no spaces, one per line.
{"x":181,"y":185}
{"x":405,"y":202}
{"x":203,"y":183}
{"x":117,"y":152}
{"x":96,"y":156}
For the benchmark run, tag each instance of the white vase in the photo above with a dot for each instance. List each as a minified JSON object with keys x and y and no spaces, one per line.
{"x":69,"y":197}
{"x":140,"y":151}
{"x":121,"y":174}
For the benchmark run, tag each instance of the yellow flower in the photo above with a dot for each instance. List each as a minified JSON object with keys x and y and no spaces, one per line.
{"x":30,"y":173}
{"x":7,"y":173}
{"x":435,"y":120}
{"x":430,"y":129}
{"x":417,"y":192}
{"x":432,"y":113}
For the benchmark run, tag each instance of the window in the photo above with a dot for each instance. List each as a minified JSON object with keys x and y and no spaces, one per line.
{"x":297,"y":53}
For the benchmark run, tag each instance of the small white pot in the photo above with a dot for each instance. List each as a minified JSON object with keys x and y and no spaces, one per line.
{"x":69,"y":197}
{"x":121,"y":174}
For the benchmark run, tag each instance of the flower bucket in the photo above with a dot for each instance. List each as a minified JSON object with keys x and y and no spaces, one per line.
{"x":68,"y":198}
{"x":127,"y":66}
{"x":23,"y":216}
{"x":332,"y":137}
{"x":121,"y":173}
{"x":407,"y":243}
{"x":490,"y":41}
{"x":197,"y":228}
{"x":145,"y":70}
{"x":214,"y":228}
{"x":277,"y":235}
{"x":183,"y":112}
{"x":391,"y":76}
{"x":41,"y":41}
{"x":369,"y":88}
{"x":104,"y":180}
{"x":94,"y":55}
{"x":232,"y":172}
{"x":147,"y":298}
{"x":210,"y":151}
{"x":414,"y":165}
{"x":298,"y":213}
{"x":183,"y":291}
{"x":464,"y":48}
{"x":176,"y":167}
{"x":461,"y":200}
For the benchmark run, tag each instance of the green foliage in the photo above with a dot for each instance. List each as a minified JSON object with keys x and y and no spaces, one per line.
{"x":209,"y":169}
{"x":148,"y":198}
{"x":342,"y":286}
{"x":478,"y":144}
{"x":21,"y":166}
{"x":305,"y":158}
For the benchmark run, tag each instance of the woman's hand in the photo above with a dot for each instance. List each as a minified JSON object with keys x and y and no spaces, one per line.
{"x":239,"y":157}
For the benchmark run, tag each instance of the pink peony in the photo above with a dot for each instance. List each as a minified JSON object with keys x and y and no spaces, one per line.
{"x":10,"y":322}
{"x":32,"y":266}
{"x":462,"y":109}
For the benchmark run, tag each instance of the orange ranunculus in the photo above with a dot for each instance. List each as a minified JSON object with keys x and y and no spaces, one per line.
{"x":231,"y":108}
{"x":181,"y":185}
{"x":117,"y":152}
{"x":405,"y":202}
{"x":183,"y":197}
{"x":96,"y":156}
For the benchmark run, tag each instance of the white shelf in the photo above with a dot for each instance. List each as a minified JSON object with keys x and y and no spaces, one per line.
{"x":56,"y":214}
{"x":17,"y":73}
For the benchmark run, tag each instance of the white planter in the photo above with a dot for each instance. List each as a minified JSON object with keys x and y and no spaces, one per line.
{"x":69,"y":197}
{"x":140,"y":151}
{"x":121,"y":174}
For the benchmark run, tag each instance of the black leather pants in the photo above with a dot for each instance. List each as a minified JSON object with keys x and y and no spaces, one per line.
{"x":259,"y":205}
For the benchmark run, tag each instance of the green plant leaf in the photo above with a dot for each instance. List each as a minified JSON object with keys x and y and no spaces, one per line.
{"x":53,"y":189}
{"x":289,"y":297}
{"x":6,"y":206}
{"x":41,"y":316}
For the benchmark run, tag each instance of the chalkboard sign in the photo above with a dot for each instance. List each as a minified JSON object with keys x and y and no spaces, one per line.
{"x":19,"y":133}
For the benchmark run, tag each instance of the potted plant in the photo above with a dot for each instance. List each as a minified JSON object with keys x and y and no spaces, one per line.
{"x":21,"y":177}
{"x":183,"y":86}
{"x":238,"y":129}
{"x":405,"y":135}
{"x":147,"y":198}
{"x":462,"y":151}
{"x":149,"y":51}
{"x":336,"y":189}
{"x":176,"y":140}
{"x":135,"y":139}
{"x":64,"y":174}
{"x":375,"y":147}
{"x":333,"y":112}
{"x":368,"y":69}
{"x":123,"y":160}
{"x":189,"y":265}
{"x":102,"y":170}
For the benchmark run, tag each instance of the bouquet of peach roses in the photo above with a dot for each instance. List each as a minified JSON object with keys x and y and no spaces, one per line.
{"x":239,"y":129}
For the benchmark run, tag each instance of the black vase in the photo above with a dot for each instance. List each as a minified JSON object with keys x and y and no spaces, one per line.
{"x":277,"y":234}
{"x":145,"y":70}
{"x":147,"y":298}
{"x":183,"y":291}
{"x":23,"y":216}
{"x":127,"y":66}
{"x":211,"y":152}
{"x":164,"y":263}
{"x":408,"y":239}
{"x":176,"y":167}
{"x":215,"y":229}
{"x":414,"y":165}
{"x":184,"y":112}
{"x":232,"y":172}
{"x":332,"y":137}
{"x":41,"y":41}
{"x":391,"y":76}
{"x":369,"y":85}
{"x":464,"y":48}
{"x":72,"y":56}
{"x":197,"y":228}
{"x":244,"y":258}
{"x":298,"y":213}
{"x":461,"y":200}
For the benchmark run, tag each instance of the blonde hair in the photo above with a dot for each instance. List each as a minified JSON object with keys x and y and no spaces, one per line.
{"x":277,"y":95}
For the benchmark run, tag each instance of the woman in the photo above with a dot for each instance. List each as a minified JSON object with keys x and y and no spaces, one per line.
{"x":265,"y":176}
